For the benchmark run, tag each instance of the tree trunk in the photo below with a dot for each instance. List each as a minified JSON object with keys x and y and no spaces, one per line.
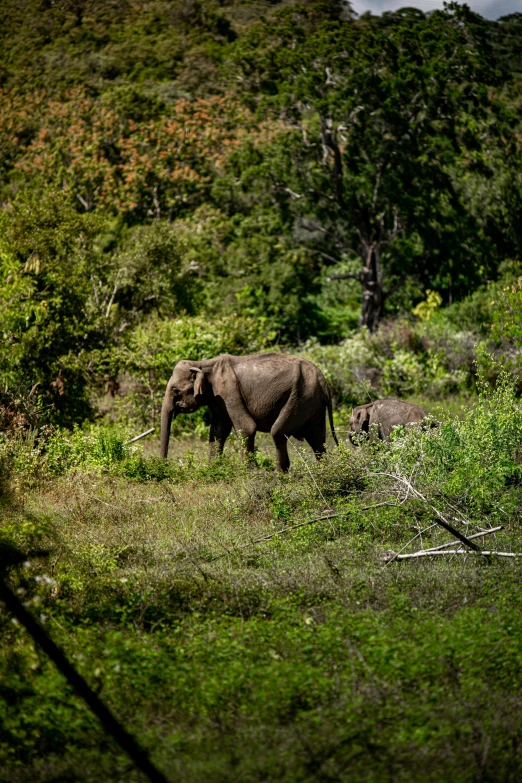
{"x":371,"y":280}
{"x":166,"y":421}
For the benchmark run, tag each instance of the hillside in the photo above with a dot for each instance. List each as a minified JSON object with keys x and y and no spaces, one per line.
{"x":250,"y":184}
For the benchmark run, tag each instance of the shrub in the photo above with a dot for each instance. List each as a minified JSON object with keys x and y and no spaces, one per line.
{"x":341,"y":472}
{"x":351,"y":368}
{"x":154,"y":347}
{"x":401,"y":359}
{"x":473,"y":460}
{"x":96,"y":449}
{"x":402,"y":374}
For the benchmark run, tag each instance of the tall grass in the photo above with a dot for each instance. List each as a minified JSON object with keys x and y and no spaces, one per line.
{"x":238,"y":646}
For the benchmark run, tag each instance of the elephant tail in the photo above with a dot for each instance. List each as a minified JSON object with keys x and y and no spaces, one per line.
{"x":330,"y":418}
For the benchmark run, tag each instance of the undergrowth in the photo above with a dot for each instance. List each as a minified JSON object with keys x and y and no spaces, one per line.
{"x":245,"y":626}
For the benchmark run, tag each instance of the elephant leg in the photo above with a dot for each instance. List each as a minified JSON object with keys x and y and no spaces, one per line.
{"x":247,"y":436}
{"x":315,"y":436}
{"x":245,"y":428}
{"x":290,"y":420}
{"x":282,"y":458}
{"x":238,"y":417}
{"x":219,"y":432}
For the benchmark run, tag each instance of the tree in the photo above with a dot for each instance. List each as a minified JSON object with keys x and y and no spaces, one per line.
{"x":47,"y":264}
{"x":376,"y":116}
{"x":158,"y":165}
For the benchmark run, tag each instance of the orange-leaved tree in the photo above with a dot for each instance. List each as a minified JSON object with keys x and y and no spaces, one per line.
{"x":152,"y":168}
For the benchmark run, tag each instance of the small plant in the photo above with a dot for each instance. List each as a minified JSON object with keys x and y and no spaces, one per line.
{"x":341,"y":472}
{"x":424,"y":310}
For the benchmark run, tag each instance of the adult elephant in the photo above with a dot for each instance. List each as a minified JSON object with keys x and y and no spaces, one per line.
{"x":381,"y":416}
{"x":267,"y":392}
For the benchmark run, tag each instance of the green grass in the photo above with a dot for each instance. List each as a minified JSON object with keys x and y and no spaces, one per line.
{"x":298,"y":658}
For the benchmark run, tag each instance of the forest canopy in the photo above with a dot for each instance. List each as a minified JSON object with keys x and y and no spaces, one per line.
{"x":291,"y":166}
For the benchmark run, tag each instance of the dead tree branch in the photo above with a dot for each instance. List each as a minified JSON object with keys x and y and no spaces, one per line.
{"x":436,"y":553}
{"x":470,"y":538}
{"x":441,"y":520}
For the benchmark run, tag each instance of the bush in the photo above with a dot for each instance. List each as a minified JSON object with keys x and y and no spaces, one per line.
{"x":154,"y":347}
{"x":472,"y":461}
{"x":401,"y":359}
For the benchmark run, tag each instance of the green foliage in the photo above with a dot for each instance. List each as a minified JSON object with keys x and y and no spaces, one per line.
{"x":486,"y":446}
{"x":268,"y":277}
{"x":50,"y":47}
{"x":96,"y":449}
{"x":290,"y":658}
{"x":196,"y":596}
{"x":118,"y":129}
{"x":341,"y":472}
{"x":506,"y":312}
{"x":473,"y":460}
{"x":401,"y":360}
{"x":354,"y":170}
{"x":151,"y":273}
{"x":46,"y":257}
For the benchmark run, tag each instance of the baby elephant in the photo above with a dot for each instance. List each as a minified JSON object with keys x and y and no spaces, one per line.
{"x":385,"y":415}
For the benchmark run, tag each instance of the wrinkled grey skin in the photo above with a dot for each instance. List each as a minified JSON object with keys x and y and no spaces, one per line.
{"x":268,"y":392}
{"x":385,"y":415}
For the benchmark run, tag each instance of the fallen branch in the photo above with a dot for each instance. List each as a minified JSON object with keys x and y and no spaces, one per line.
{"x":419,"y":535}
{"x":475,"y":535}
{"x":437,"y":552}
{"x":442,"y":521}
{"x":139,"y":437}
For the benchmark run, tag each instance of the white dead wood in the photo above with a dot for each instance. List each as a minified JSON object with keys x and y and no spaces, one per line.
{"x":438,"y":552}
{"x":441,"y":520}
{"x":474,"y":535}
{"x":139,"y":437}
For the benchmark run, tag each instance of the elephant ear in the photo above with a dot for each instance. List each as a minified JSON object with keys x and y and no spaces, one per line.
{"x":201,"y":383}
{"x":363,"y":419}
{"x":225,"y":383}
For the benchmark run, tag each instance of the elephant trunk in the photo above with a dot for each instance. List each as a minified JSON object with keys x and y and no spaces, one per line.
{"x":167,"y":412}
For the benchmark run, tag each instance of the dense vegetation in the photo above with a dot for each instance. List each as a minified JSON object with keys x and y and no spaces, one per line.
{"x":283,"y":164}
{"x":183,"y":178}
{"x":237,"y":646}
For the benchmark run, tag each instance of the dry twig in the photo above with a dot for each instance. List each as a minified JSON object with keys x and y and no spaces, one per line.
{"x":139,"y":437}
{"x":474,"y":535}
{"x":441,"y":520}
{"x":437,"y":552}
